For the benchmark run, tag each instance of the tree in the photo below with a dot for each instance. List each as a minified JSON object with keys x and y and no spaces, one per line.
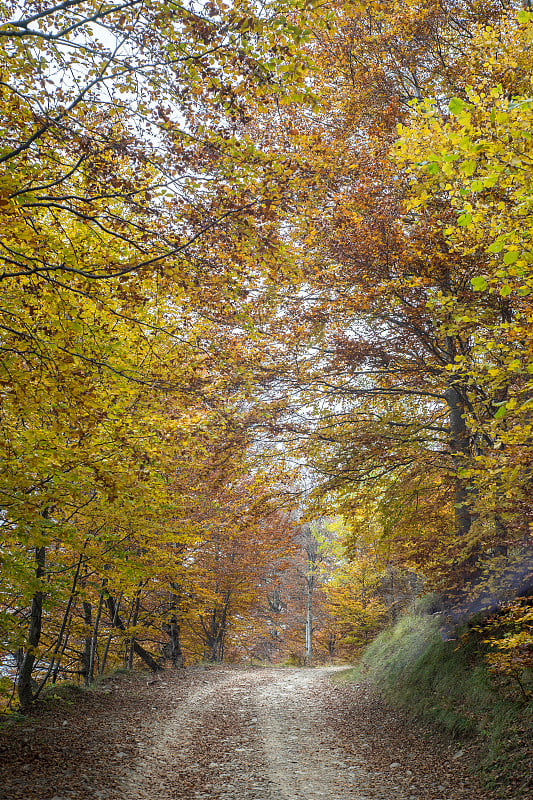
{"x":245,"y":542}
{"x":368,"y":589}
{"x":477,"y":155}
{"x":373,"y":360}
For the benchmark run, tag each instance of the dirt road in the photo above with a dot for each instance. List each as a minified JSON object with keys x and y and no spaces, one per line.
{"x":265,"y":734}
{"x":278,"y":735}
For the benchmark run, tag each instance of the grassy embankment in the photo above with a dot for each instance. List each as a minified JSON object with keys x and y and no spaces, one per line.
{"x":447,"y":684}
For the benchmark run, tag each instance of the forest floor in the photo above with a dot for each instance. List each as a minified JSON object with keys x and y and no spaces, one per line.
{"x":230,"y":734}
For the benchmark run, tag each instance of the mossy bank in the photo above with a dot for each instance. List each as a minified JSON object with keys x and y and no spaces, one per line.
{"x":446,"y":683}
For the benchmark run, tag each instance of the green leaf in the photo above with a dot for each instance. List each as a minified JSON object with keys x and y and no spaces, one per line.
{"x":479,"y":284}
{"x":468,"y":167}
{"x":464,"y":220}
{"x":501,"y":412}
{"x":510,"y":257}
{"x":456,"y":106}
{"x":506,"y":290}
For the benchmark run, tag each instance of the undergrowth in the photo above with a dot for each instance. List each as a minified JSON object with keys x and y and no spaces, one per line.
{"x":448,"y":684}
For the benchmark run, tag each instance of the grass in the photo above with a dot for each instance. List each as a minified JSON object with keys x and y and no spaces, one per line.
{"x":447,"y":684}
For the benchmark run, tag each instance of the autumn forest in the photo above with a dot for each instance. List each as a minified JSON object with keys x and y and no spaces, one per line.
{"x":266,"y":333}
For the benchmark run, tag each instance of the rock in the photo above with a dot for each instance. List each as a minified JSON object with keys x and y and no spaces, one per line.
{"x":458,"y":754}
{"x":394,"y":765}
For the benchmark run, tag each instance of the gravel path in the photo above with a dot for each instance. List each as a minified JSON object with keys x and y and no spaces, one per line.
{"x":231,"y":734}
{"x":304,"y":760}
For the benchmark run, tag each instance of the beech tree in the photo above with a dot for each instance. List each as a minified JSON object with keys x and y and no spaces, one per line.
{"x":478,"y":154}
{"x":372,"y":357}
{"x":245,"y":541}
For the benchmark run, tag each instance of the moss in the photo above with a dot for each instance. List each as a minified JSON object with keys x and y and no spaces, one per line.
{"x":66,"y":692}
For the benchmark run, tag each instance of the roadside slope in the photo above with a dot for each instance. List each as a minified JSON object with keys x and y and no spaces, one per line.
{"x":447,"y":686}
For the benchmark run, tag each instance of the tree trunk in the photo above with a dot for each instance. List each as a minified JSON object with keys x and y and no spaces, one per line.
{"x":173,"y":649}
{"x":460,"y":449}
{"x":222,"y":630}
{"x":147,"y":657}
{"x":211,"y":641}
{"x":215,"y":634}
{"x":309,"y":630}
{"x":62,"y":651}
{"x":60,"y":646}
{"x":25,"y":683}
{"x":109,"y":638}
{"x":310,"y":581}
{"x":310,"y":547}
{"x":86,"y":655}
{"x":94,"y":640}
{"x":135,"y":617}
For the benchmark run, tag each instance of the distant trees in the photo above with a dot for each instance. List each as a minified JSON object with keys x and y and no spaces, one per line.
{"x":245,"y":543}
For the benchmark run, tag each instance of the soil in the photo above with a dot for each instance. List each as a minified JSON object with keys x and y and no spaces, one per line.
{"x":230,"y":734}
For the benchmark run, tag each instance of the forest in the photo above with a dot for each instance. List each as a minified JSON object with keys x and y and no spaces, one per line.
{"x":266,"y":335}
